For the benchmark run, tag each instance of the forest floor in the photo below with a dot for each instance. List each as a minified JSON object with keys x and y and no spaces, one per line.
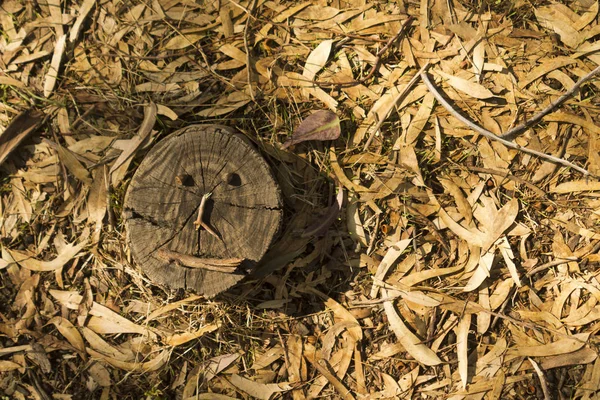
{"x":419,"y":257}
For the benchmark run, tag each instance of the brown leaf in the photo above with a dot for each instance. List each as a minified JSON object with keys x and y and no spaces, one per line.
{"x":27,"y":262}
{"x":149,"y":366}
{"x":409,"y":340}
{"x":320,"y":125}
{"x":320,"y":226}
{"x":20,"y":127}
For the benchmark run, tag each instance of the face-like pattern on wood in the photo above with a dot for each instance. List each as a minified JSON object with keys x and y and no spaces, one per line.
{"x":164,"y":208}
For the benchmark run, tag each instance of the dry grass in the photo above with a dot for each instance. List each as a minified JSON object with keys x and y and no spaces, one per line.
{"x":457,"y":267}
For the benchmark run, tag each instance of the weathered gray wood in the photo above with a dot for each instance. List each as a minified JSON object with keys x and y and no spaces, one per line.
{"x":162,"y":202}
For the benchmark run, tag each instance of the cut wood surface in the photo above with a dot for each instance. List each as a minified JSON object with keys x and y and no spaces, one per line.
{"x":244,"y":209}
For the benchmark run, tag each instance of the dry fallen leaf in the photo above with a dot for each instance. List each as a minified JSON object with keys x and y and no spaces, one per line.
{"x":473,"y":89}
{"x":409,"y":341}
{"x":320,"y":125}
{"x":19,"y":129}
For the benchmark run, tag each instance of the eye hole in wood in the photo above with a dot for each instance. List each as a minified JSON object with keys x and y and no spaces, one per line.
{"x":233,"y":179}
{"x":184,"y":180}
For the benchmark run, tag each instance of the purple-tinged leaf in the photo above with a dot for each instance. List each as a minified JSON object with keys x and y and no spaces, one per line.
{"x":320,"y":125}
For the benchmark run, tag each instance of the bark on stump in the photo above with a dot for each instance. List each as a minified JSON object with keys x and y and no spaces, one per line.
{"x":162,"y":201}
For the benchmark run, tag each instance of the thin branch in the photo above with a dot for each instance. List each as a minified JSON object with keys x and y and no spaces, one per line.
{"x":491,"y":136}
{"x":511,"y":134}
{"x":249,"y":67}
{"x":551,"y":264}
{"x":227,"y":266}
{"x":543,"y":382}
{"x":199,"y":220}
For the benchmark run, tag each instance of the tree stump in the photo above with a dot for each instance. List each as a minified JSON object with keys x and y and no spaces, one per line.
{"x":243,"y":212}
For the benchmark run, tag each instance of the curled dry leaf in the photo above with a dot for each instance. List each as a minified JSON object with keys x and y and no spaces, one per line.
{"x":19,"y":128}
{"x":388,"y":260}
{"x":409,"y":340}
{"x":153,"y":365}
{"x":320,"y":125}
{"x":70,"y":332}
{"x":104,"y":320}
{"x":26,"y":261}
{"x":181,"y":338}
{"x":341,"y":314}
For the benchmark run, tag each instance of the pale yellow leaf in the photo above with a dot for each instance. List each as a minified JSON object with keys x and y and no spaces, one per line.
{"x":103,"y":320}
{"x":388,"y":260}
{"x":167,"y":112}
{"x":461,"y":201}
{"x":181,"y":338}
{"x":481,"y":273}
{"x":508,"y":256}
{"x":7,"y":80}
{"x":144,"y":131}
{"x":562,"y":346}
{"x":233,"y":52}
{"x":26,"y":261}
{"x":579,"y":357}
{"x":6,"y":366}
{"x":473,"y":89}
{"x":341,"y":314}
{"x":52,"y":74}
{"x":576,"y":186}
{"x":409,"y":340}
{"x":500,"y":293}
{"x":421,"y":276}
{"x":483,"y":318}
{"x":170,"y":307}
{"x":462,"y":348}
{"x":100,"y":374}
{"x":74,"y":166}
{"x":84,"y":10}
{"x":554,"y":20}
{"x":317,"y":59}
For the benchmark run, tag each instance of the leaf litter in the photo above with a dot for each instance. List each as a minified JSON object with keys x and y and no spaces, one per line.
{"x":441,"y":243}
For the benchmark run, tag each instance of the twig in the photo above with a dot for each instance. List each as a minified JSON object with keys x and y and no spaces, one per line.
{"x":402,"y":32}
{"x":551,"y":264}
{"x":228,"y":265}
{"x":399,"y":97}
{"x":323,"y":367}
{"x":511,"y":134}
{"x":210,"y":230}
{"x":506,"y":175}
{"x":249,"y":69}
{"x":491,"y":136}
{"x":198,"y":222}
{"x":543,"y":383}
